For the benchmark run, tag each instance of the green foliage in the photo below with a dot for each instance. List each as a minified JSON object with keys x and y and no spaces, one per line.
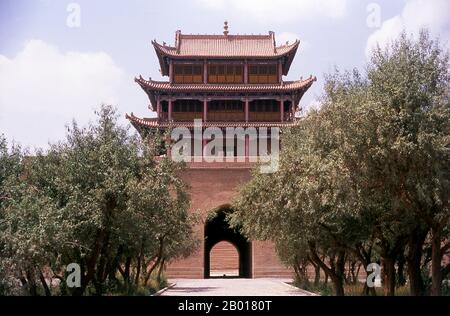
{"x":366,"y":171}
{"x":98,"y":199}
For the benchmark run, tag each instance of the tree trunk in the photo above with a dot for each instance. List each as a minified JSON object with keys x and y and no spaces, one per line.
{"x":150,"y":271}
{"x":158,"y":260}
{"x":126,"y":274}
{"x":31,"y":283}
{"x":44,"y":284}
{"x":138,"y":269}
{"x":416,"y":286}
{"x":297,"y":272}
{"x":340,"y":272}
{"x":413,"y":259}
{"x":301,"y":272}
{"x":401,"y":281}
{"x":335,"y":271}
{"x":91,"y":263}
{"x":316,"y":275}
{"x":113,"y":266}
{"x":436,"y":259}
{"x":357,"y":273}
{"x":145,"y":269}
{"x":102,"y":262}
{"x":352,"y":278}
{"x":161,"y":268}
{"x":389,"y":276}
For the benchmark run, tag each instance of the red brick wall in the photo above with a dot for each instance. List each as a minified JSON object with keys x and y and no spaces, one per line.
{"x":224,"y":259}
{"x":212,"y":186}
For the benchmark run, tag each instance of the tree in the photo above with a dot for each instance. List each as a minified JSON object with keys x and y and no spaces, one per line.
{"x":98,"y":199}
{"x":411,"y":79}
{"x":368,"y":171}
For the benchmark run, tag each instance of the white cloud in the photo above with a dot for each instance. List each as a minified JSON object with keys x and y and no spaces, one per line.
{"x":44,"y":88}
{"x":415,"y":15}
{"x":312,"y":105}
{"x":286,"y":10}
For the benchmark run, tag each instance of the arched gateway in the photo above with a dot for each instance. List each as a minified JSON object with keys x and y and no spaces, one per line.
{"x":217,"y":230}
{"x":226,"y":82}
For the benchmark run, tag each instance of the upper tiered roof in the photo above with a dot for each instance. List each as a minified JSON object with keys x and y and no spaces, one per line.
{"x":226,"y":46}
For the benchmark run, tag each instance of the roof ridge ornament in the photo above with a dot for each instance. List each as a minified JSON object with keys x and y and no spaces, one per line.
{"x":178,"y":40}
{"x":225,"y":28}
{"x":272,"y":36}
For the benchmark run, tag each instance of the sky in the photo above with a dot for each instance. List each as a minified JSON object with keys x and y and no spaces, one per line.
{"x":60,"y":60}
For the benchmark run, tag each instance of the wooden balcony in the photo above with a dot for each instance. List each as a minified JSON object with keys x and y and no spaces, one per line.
{"x":186,"y":116}
{"x":264,"y":116}
{"x":226,"y":116}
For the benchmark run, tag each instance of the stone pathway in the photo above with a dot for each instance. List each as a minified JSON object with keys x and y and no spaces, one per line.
{"x":233,"y":287}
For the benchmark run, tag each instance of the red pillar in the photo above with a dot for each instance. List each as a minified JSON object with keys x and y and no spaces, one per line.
{"x":170,"y":109}
{"x":247,"y":151}
{"x":246,"y":110}
{"x":205,"y":110}
{"x":292,"y":109}
{"x":246,"y":72}
{"x":158,"y":108}
{"x":280,"y":71}
{"x":171,"y":72}
{"x":205,"y":72}
{"x":281,"y":110}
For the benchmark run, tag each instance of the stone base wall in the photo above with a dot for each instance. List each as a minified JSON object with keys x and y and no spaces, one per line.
{"x":211,"y":187}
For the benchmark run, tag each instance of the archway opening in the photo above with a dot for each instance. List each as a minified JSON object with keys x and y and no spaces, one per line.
{"x":217,"y":231}
{"x":224,"y":260}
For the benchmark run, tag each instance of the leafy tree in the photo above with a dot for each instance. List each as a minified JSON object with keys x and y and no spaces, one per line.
{"x":411,"y":80}
{"x":98,"y":199}
{"x":367,"y":172}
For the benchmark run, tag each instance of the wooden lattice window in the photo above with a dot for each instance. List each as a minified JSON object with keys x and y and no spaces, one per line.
{"x":263,"y":73}
{"x":187,"y":73}
{"x":225,"y":73}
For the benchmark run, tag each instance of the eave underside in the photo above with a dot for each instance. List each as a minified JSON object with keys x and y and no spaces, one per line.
{"x":152,"y":125}
{"x":285,"y":54}
{"x":164,"y":90}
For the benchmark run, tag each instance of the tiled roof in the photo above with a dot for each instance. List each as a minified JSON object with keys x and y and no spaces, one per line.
{"x":225,"y":46}
{"x":153,"y":122}
{"x":287,"y":86}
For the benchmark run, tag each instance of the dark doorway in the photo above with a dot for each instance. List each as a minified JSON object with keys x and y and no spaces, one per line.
{"x":218,"y":230}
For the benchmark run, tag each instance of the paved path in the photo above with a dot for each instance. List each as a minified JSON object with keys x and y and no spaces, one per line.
{"x":233,"y":287}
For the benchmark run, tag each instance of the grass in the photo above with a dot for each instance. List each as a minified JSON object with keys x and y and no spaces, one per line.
{"x":357,"y":289}
{"x":326,"y":289}
{"x":119,"y":288}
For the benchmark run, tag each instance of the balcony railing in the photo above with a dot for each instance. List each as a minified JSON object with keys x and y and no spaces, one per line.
{"x":224,"y":116}
{"x":264,"y":116}
{"x":186,"y":116}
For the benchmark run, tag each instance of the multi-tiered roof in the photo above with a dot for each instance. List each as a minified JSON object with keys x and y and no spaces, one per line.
{"x":226,"y":48}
